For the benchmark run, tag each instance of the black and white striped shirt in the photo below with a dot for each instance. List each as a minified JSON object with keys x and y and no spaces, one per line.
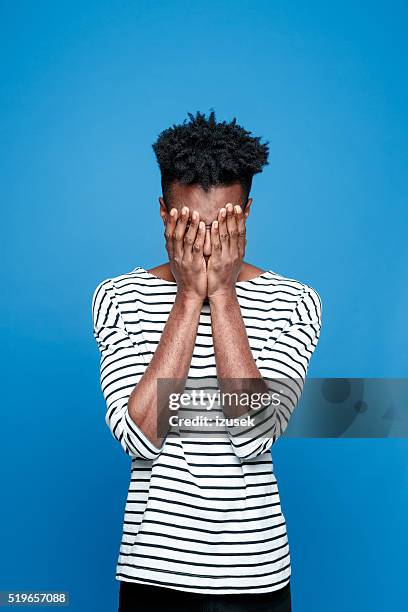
{"x":202,"y":515}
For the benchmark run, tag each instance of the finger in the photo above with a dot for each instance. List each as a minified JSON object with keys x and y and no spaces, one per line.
{"x":232,"y":230}
{"x":190,"y":236}
{"x":169,"y":231}
{"x":178,"y":236}
{"x":199,"y":241}
{"x":215,"y":241}
{"x":224,"y":236}
{"x":241,"y":231}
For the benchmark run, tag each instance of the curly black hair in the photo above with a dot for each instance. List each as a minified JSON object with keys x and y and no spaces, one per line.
{"x":208,"y":153}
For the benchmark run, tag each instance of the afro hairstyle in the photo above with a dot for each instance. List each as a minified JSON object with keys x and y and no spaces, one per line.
{"x":208,"y":153}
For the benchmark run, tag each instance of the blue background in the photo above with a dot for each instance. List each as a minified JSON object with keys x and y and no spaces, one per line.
{"x":85,"y":90}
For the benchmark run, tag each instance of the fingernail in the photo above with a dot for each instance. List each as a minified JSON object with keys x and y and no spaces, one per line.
{"x":237,"y":209}
{"x":195,"y":215}
{"x":201,"y":225}
{"x":223,"y":212}
{"x":229,"y":207}
{"x":184,"y":210}
{"x":173,"y":212}
{"x":215,"y":224}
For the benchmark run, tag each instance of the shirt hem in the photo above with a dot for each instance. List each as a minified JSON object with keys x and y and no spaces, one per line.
{"x":208,"y":591}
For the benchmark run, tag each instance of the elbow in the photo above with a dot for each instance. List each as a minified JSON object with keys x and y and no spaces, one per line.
{"x":131,"y":438}
{"x":250,"y":450}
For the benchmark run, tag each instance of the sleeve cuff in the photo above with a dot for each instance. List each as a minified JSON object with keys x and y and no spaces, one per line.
{"x":138,"y":441}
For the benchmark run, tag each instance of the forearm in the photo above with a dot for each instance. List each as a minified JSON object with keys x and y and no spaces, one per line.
{"x":233,"y":354}
{"x":171,"y":360}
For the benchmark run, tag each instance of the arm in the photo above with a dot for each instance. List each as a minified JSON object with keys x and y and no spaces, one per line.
{"x":129,"y":386}
{"x":285,"y":357}
{"x":281,"y":367}
{"x":171,"y":360}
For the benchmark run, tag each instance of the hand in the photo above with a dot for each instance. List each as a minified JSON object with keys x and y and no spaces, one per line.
{"x":185,"y":251}
{"x":227,"y":251}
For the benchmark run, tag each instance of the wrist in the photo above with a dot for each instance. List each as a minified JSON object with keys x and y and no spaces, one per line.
{"x":189,"y":298}
{"x":223,"y":296}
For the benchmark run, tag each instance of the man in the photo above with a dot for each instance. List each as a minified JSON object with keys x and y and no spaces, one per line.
{"x":203,"y":525}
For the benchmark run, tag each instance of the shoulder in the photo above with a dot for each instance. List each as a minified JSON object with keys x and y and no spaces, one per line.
{"x":115,"y":285}
{"x":288,"y":293}
{"x":272,"y":279}
{"x":307,"y":293}
{"x":301,"y":287}
{"x":308,"y":301}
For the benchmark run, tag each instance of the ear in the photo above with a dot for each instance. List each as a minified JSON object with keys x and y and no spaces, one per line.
{"x":163,"y":210}
{"x":247,"y":208}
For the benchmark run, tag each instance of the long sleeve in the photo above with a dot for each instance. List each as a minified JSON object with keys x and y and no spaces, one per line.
{"x":122,"y":365}
{"x":283,"y":364}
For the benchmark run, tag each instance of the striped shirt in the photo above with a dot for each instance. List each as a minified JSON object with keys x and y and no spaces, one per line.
{"x":202,"y":515}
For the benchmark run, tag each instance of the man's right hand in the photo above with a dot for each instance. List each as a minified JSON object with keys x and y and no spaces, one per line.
{"x":185,"y":251}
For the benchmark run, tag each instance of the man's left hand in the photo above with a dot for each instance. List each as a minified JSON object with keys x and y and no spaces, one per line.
{"x":227,"y":251}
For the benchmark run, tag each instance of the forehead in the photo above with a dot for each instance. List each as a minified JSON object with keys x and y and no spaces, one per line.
{"x":206,"y":203}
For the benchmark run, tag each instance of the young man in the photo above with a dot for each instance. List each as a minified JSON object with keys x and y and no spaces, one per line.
{"x":203,"y":524}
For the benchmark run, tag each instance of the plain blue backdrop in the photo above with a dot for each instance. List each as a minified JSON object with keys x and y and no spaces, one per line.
{"x":86,"y":87}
